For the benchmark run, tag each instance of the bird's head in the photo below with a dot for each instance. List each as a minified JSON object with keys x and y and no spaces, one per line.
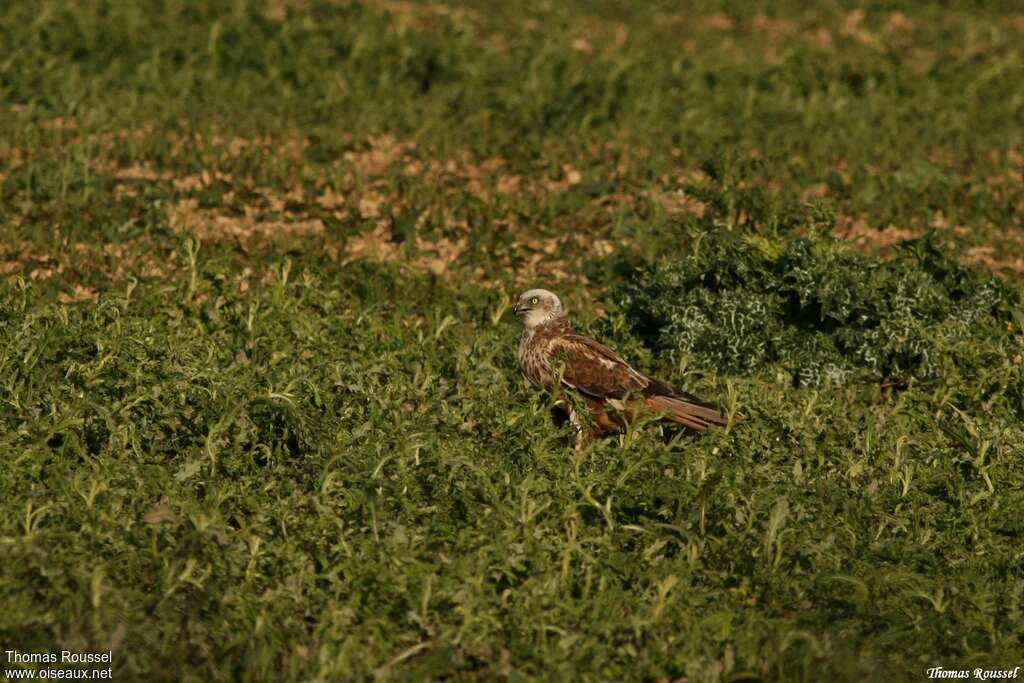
{"x":536,"y":307}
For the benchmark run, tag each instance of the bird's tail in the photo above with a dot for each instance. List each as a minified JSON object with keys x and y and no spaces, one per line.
{"x":695,"y":414}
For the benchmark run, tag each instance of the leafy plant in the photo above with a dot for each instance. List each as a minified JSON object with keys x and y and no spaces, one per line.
{"x":819,"y":312}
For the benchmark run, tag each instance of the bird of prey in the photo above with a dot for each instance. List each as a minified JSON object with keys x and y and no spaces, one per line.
{"x":551,"y":354}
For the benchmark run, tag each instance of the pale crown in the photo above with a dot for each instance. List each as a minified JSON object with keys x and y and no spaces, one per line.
{"x":537,"y":306}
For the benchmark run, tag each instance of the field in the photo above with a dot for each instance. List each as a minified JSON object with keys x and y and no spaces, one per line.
{"x":260,"y":414}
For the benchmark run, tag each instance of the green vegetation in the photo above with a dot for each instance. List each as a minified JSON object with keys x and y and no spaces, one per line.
{"x":260,"y":417}
{"x":821,"y":314}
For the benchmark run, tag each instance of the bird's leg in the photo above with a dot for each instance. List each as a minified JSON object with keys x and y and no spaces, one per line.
{"x":561,"y":412}
{"x":580,"y":441}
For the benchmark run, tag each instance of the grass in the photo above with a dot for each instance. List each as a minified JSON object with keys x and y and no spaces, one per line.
{"x":261,"y":417}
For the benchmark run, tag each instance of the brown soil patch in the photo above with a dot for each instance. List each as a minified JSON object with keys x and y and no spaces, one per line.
{"x":775,"y":30}
{"x":717,"y":22}
{"x":382,"y":154}
{"x":59,"y":123}
{"x":857,"y":231}
{"x":873,"y":240}
{"x":852,"y":28}
{"x":78,"y":294}
{"x":10,"y":160}
{"x":378,"y":245}
{"x":27,"y":259}
{"x":679,"y":203}
{"x":987,"y":257}
{"x":212,"y":224}
{"x":816,"y":191}
{"x":438,"y":257}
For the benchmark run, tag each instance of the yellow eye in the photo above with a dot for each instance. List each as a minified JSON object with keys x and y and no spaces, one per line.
{"x":534,"y":301}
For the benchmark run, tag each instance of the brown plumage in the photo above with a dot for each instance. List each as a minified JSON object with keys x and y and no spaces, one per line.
{"x":595,"y":373}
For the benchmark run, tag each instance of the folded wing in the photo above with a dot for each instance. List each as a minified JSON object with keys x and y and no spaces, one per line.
{"x":594,"y":369}
{"x":598,"y":372}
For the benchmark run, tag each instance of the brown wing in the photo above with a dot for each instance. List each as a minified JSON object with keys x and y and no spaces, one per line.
{"x":649,"y":386}
{"x":598,"y":372}
{"x":594,"y":369}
